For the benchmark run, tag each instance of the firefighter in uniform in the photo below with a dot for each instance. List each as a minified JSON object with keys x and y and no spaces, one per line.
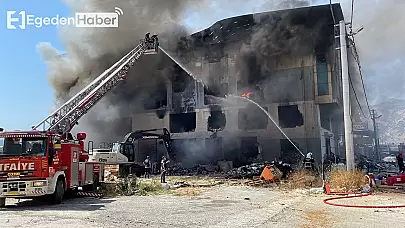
{"x":163,"y":169}
{"x":147,"y":165}
{"x":400,"y":160}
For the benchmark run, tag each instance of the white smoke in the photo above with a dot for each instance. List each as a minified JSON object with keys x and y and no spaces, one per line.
{"x":380,"y":44}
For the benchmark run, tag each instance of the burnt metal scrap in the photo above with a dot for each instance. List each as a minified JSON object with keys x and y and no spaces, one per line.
{"x":246,"y":171}
{"x":177,"y":170}
{"x":243,"y":172}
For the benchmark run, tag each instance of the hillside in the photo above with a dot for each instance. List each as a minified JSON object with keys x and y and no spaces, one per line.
{"x":392,"y":122}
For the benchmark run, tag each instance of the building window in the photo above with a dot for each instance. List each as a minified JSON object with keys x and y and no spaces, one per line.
{"x":252,"y":118}
{"x":289,"y":116}
{"x":322,"y":75}
{"x":216,"y":90}
{"x":217,"y":119}
{"x":183,"y":122}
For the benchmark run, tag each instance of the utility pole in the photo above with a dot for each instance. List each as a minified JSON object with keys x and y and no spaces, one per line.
{"x":376,"y":144}
{"x":346,"y":98}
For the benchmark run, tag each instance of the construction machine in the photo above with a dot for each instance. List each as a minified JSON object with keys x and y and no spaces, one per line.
{"x":132,"y":151}
{"x":49,"y":161}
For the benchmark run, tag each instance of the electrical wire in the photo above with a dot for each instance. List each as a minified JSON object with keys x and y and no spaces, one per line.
{"x":351,"y":17}
{"x":355,"y":95}
{"x":356,"y":58}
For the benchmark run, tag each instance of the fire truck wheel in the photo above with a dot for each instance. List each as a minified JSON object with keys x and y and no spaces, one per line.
{"x":2,"y":202}
{"x":59,"y":192}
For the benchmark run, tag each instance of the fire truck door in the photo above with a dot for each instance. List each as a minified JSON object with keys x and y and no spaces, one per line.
{"x":74,"y":169}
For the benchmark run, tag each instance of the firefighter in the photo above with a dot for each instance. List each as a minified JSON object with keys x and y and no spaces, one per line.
{"x":147,"y":37}
{"x":155,"y":40}
{"x":309,"y":161}
{"x":147,"y":165}
{"x":163,"y":169}
{"x":400,"y":160}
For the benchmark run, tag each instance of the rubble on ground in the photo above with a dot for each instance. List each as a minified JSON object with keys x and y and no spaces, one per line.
{"x":177,"y":170}
{"x":246,"y":171}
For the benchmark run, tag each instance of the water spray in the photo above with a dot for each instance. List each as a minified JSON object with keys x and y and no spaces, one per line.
{"x":180,"y":65}
{"x":235,"y":96}
{"x":271,"y":118}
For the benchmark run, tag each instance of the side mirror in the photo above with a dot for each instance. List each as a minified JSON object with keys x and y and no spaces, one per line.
{"x":81,"y":136}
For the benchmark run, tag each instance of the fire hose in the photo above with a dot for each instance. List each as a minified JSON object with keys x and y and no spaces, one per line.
{"x":348,"y":195}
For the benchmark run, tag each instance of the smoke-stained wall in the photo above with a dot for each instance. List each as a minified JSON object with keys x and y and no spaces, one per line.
{"x":252,"y":57}
{"x":272,"y":54}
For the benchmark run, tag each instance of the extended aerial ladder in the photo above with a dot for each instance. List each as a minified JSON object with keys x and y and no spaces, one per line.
{"x":63,"y":119}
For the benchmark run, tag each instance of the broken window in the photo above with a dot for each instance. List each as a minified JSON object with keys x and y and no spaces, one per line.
{"x":252,"y":117}
{"x":322,"y":75}
{"x":183,"y":122}
{"x":180,"y":79}
{"x":217,"y":119}
{"x":156,"y":97}
{"x":216,"y":90}
{"x":289,"y":116}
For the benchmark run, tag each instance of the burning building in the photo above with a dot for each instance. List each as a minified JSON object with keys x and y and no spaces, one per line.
{"x":284,"y":60}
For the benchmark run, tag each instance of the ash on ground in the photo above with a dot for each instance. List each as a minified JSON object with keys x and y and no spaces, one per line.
{"x":225,"y":169}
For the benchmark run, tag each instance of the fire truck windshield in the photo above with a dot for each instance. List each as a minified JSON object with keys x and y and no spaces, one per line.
{"x":23,"y":146}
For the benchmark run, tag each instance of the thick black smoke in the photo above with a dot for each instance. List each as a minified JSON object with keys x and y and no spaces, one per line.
{"x":92,"y":50}
{"x":281,"y":34}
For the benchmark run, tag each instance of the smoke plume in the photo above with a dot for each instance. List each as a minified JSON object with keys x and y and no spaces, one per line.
{"x":380,"y":45}
{"x":90,"y":51}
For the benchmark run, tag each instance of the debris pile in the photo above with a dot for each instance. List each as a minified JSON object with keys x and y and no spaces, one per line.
{"x":177,"y":170}
{"x":247,"y":171}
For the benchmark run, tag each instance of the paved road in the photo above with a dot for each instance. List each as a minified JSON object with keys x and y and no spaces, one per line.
{"x":234,"y":206}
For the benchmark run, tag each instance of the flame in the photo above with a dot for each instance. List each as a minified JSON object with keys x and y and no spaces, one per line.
{"x":247,"y":94}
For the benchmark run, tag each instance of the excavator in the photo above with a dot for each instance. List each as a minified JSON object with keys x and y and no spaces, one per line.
{"x":130,"y":154}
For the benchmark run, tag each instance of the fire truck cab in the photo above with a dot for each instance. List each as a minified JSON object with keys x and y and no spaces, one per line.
{"x":42,"y":163}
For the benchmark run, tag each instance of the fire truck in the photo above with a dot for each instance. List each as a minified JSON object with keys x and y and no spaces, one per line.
{"x":48,"y":160}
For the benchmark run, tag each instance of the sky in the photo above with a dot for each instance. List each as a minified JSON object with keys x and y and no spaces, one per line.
{"x":27,"y":98}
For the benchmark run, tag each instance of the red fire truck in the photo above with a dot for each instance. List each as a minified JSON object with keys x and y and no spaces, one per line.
{"x":50,"y":161}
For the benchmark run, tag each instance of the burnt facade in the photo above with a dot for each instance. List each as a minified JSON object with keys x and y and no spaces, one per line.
{"x":284,"y":60}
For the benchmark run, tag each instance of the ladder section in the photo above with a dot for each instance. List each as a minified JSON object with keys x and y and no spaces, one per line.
{"x":66,"y":107}
{"x":65,"y":117}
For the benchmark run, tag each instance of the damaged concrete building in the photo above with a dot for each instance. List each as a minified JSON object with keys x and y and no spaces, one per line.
{"x":284,"y":60}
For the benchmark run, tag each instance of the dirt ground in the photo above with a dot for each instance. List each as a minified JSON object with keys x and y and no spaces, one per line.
{"x":220,"y":206}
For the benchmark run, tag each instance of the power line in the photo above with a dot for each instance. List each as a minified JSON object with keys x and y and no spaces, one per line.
{"x":355,"y":95}
{"x":361,"y":74}
{"x":351,"y":17}
{"x":357,"y":58}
